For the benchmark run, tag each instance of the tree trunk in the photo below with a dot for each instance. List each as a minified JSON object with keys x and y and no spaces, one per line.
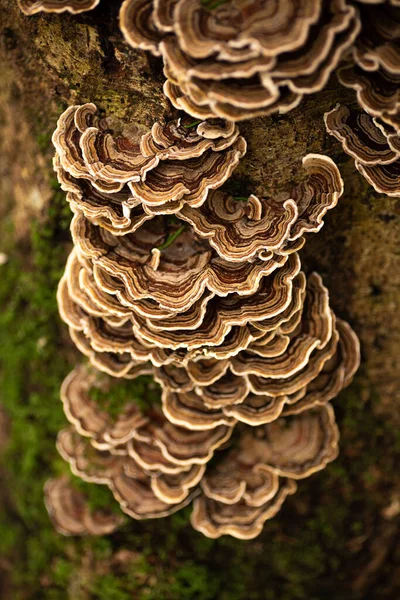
{"x":337,"y":537}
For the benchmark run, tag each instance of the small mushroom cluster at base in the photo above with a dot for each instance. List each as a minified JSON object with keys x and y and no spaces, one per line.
{"x":155,"y":468}
{"x":239,"y":60}
{"x":31,"y":7}
{"x":172,"y":277}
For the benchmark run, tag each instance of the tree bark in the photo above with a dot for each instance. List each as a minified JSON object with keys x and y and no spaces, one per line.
{"x":48,"y":62}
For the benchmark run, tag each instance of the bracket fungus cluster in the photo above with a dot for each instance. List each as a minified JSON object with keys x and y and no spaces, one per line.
{"x":119,"y":176}
{"x":374,"y":68}
{"x":31,"y":7}
{"x":154,"y":467}
{"x":239,"y":60}
{"x":71,"y":514}
{"x":374,"y":144}
{"x":371,"y":132}
{"x":174,"y":278}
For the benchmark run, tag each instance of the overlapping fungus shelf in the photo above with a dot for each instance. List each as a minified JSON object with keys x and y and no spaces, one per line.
{"x":150,"y":464}
{"x":238,"y":61}
{"x":374,"y":144}
{"x":71,"y":514}
{"x":250,"y":483}
{"x":31,"y":7}
{"x":120,"y":174}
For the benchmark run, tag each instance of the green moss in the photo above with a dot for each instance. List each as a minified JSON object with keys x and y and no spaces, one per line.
{"x":143,"y":391}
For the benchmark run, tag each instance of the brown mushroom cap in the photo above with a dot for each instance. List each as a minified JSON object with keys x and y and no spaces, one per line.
{"x":150,"y":464}
{"x":290,"y":372}
{"x":89,"y":419}
{"x":137,"y":498}
{"x":30,"y":7}
{"x":70,"y":513}
{"x":377,"y":91}
{"x":378,"y":42}
{"x":291,"y":355}
{"x":243,"y":490}
{"x":239,"y":520}
{"x":87,"y":150}
{"x":374,"y":145}
{"x":153,"y":442}
{"x":336,"y":374}
{"x":242,"y":230}
{"x":117,"y":212}
{"x":295,"y":446}
{"x":273,"y":296}
{"x":272,"y":344}
{"x":99,"y":324}
{"x":132,"y":486}
{"x":118,"y":174}
{"x":185,"y":269}
{"x":237,"y":61}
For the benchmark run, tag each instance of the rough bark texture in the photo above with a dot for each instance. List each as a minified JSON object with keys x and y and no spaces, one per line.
{"x":337,"y":537}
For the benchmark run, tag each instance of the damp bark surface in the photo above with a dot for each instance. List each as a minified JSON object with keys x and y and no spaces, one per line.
{"x":338,"y":537}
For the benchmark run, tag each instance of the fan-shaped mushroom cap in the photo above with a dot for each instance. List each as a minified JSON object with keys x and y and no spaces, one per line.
{"x":137,"y":497}
{"x":336,"y":374}
{"x":86,"y":461}
{"x":283,"y":357}
{"x":237,"y":478}
{"x":257,"y":410}
{"x":88,"y":150}
{"x":89,"y":419}
{"x":374,"y":145}
{"x":377,"y":91}
{"x":180,"y":446}
{"x":172,"y":183}
{"x":118,"y":174}
{"x":153,"y":442}
{"x":360,"y":135}
{"x":117,"y":212}
{"x":213,"y":518}
{"x":138,"y":25}
{"x":30,"y":7}
{"x":240,"y":61}
{"x":243,"y":490}
{"x":242,"y":230}
{"x":148,"y":462}
{"x":70,"y":513}
{"x":186,"y":267}
{"x":100,"y":325}
{"x":312,"y":342}
{"x":295,"y":446}
{"x":189,"y":410}
{"x":378,"y":42}
{"x":135,"y":488}
{"x":103,"y":331}
{"x":273,"y":296}
{"x":113,"y":363}
{"x":290,"y":372}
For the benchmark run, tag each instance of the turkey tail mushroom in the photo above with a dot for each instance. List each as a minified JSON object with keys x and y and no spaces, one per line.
{"x":234,"y":62}
{"x":119,"y":174}
{"x":71,"y":514}
{"x":31,"y":7}
{"x":244,"y":489}
{"x":373,"y":144}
